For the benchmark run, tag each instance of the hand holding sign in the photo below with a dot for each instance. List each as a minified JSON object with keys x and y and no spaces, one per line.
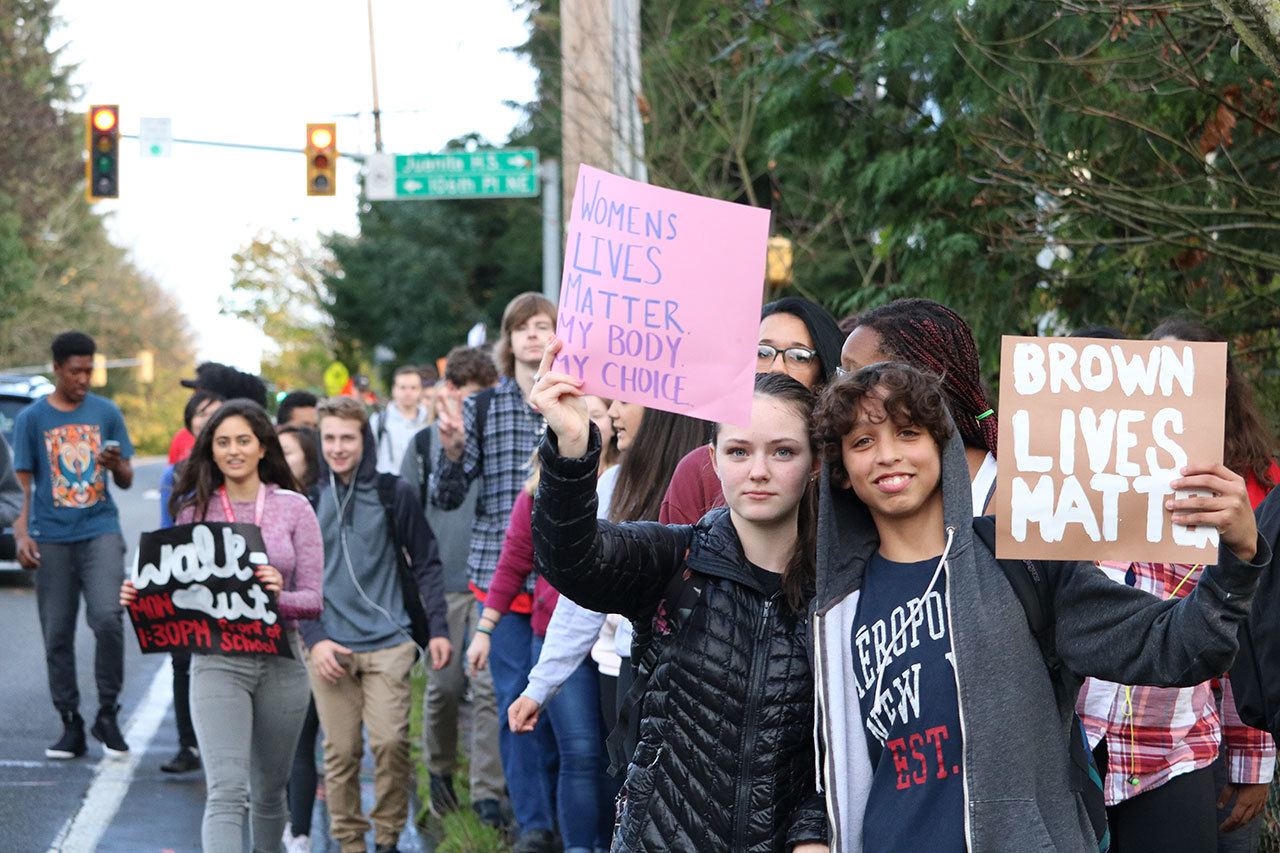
{"x":660,"y":297}
{"x":558,"y":397}
{"x":1109,"y":450}
{"x":205,"y":588}
{"x":270,"y":579}
{"x":1226,"y":507}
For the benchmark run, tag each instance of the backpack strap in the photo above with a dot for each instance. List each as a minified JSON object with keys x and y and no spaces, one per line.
{"x":408,"y":587}
{"x":422,"y":451}
{"x":669,"y":619}
{"x":1031,"y":589}
{"x":484,"y":399}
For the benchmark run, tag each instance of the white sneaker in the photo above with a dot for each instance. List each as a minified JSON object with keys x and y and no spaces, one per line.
{"x":295,"y":843}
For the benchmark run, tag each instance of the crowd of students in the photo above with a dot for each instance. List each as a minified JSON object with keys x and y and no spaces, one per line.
{"x":677,"y":635}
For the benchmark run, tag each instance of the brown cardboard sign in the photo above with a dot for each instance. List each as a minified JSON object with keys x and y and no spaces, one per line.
{"x":1092,"y":432}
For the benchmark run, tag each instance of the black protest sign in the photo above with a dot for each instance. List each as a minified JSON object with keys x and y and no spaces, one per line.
{"x":197,"y":592}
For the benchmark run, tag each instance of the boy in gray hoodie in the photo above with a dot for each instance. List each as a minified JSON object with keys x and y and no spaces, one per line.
{"x":383,"y":601}
{"x":940,"y":727}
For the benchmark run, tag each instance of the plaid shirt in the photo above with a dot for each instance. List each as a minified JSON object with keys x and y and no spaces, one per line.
{"x":500,"y":458}
{"x":1156,"y":733}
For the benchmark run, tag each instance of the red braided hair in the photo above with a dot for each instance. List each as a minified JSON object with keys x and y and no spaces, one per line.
{"x":930,"y":336}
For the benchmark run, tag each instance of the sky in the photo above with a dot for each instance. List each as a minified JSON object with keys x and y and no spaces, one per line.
{"x":257,"y":72}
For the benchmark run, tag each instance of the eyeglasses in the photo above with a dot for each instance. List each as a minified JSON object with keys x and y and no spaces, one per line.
{"x":800,"y":356}
{"x":840,"y":371}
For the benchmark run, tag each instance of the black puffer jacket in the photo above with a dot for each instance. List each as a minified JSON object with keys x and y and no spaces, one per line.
{"x":725,"y":760}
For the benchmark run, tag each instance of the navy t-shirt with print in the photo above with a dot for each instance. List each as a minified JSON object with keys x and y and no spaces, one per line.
{"x":70,"y":501}
{"x":913,"y":733}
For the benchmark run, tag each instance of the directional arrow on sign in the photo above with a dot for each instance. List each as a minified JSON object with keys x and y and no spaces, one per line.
{"x":412,"y":185}
{"x":520,"y":161}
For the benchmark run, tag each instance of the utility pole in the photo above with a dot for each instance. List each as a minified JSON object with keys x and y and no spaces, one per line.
{"x":551,"y":229}
{"x":628,"y":135}
{"x":586,"y":60}
{"x":373,"y":73}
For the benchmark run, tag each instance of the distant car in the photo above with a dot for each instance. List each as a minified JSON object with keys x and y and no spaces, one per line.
{"x":16,"y":393}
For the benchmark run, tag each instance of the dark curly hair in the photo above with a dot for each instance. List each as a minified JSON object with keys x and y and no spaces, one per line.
{"x":931,"y":336}
{"x":909,"y":395}
{"x":1249,"y":447}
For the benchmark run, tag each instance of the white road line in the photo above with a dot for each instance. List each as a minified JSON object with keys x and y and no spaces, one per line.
{"x":112,"y":776}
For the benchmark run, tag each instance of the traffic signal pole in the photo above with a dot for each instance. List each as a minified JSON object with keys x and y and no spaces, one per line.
{"x":551,"y":231}
{"x":373,"y":72}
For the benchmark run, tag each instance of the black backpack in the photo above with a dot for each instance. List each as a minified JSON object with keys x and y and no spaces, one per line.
{"x":422,"y":443}
{"x":418,"y":624}
{"x":1036,"y":598}
{"x":678,"y":599}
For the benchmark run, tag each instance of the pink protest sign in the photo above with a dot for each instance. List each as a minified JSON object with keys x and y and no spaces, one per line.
{"x":660,"y":297}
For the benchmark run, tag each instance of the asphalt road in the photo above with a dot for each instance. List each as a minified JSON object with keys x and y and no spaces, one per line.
{"x":43,"y":804}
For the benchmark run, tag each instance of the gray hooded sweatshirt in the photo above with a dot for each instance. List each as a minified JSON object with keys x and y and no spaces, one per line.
{"x":1015,"y":717}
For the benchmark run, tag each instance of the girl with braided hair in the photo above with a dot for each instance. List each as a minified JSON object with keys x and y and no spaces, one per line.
{"x":930,"y":336}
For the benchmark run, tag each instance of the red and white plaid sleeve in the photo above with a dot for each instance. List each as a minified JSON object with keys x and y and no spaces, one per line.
{"x":1251,"y":753}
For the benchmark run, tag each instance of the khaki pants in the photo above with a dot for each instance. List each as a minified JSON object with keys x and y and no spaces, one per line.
{"x":445,"y":691}
{"x":373,"y":692}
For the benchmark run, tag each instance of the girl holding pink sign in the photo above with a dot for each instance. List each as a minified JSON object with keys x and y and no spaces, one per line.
{"x":725,"y":759}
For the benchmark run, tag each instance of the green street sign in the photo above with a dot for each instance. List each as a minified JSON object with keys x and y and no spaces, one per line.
{"x":496,"y":173}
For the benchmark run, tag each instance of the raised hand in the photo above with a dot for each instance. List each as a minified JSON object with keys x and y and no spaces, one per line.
{"x":558,"y":396}
{"x":449,"y":423}
{"x":1226,"y":508}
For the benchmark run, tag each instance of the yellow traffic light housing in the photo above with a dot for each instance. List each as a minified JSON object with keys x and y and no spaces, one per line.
{"x":777,"y":270}
{"x":99,"y":376}
{"x":102,"y":141}
{"x":322,"y":159}
{"x":146,"y":367}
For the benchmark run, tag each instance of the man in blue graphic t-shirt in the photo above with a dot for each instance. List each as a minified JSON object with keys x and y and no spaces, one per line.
{"x":69,"y":532}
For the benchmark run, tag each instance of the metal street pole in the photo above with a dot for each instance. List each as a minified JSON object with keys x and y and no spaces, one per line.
{"x":551,"y":232}
{"x":373,"y":73}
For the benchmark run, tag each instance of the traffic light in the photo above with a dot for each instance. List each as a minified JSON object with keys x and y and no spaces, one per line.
{"x":146,"y":367}
{"x":99,"y":376}
{"x":102,"y":167}
{"x":322,"y":158}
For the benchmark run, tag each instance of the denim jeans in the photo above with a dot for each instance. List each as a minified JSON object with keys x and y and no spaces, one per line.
{"x":446,"y":690}
{"x":528,"y":760}
{"x":584,"y":792}
{"x":247,"y":711}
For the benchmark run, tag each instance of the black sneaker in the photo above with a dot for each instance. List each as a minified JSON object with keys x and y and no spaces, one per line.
{"x":537,"y":841}
{"x":387,"y":848}
{"x":490,"y":813}
{"x":107,"y":729}
{"x":443,"y":800}
{"x":185,"y":760}
{"x":71,"y":744}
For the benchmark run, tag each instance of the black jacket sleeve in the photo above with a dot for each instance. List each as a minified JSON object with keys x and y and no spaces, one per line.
{"x":1121,"y":634}
{"x":609,"y":568}
{"x":415,"y":533}
{"x":1253,"y":682}
{"x":809,"y":824}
